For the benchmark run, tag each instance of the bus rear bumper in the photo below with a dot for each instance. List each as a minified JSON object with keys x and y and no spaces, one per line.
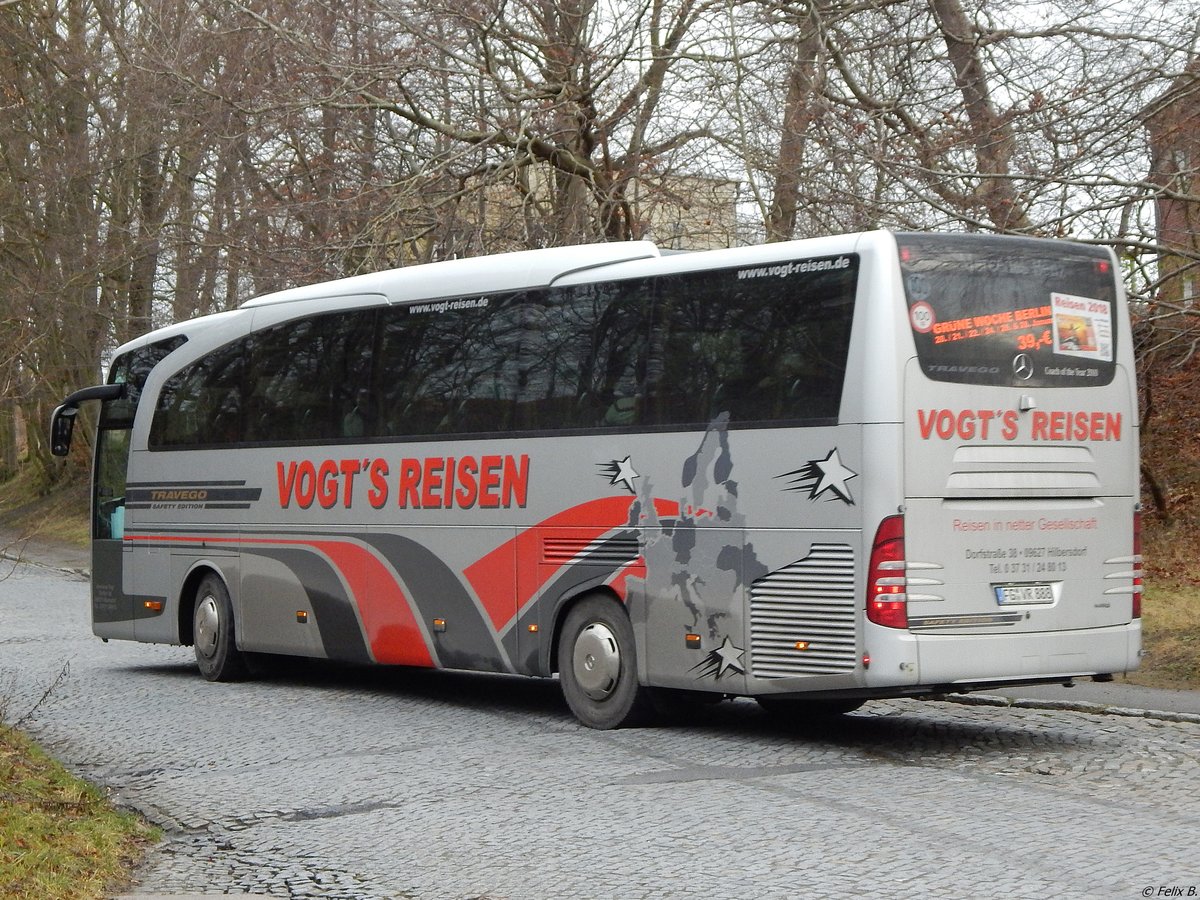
{"x":945,"y":659}
{"x":920,"y":665}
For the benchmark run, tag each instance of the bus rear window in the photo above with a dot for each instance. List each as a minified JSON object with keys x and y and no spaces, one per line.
{"x":1010,"y":311}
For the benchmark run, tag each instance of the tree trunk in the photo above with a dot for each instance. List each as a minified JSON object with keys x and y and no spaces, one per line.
{"x":990,"y":132}
{"x":798,"y":110}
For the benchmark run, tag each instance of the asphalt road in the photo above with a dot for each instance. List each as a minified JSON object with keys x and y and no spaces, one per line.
{"x":327,"y":781}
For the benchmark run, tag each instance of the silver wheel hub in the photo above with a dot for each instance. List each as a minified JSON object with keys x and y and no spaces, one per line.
{"x":207,"y":626}
{"x":596,"y":662}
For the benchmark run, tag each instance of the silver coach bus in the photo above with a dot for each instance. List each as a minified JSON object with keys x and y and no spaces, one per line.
{"x":812,"y":473}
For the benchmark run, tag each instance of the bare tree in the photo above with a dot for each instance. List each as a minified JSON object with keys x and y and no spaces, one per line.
{"x":563,"y":106}
{"x":161,"y":159}
{"x":801,"y":107}
{"x":51,"y":232}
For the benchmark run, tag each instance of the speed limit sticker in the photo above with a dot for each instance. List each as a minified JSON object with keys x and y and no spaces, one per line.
{"x":922,"y":317}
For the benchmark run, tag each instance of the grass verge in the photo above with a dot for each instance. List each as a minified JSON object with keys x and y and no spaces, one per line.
{"x":58,"y":516}
{"x":1170,"y":636}
{"x":59,"y":836}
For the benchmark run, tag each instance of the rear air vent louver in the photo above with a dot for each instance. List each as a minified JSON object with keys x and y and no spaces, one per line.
{"x":810,"y":604}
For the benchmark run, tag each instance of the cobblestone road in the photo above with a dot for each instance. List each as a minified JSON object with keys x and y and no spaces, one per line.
{"x":322,"y":781}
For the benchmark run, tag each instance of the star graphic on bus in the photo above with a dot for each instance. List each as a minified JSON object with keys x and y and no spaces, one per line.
{"x":725,"y":658}
{"x":818,"y":476}
{"x":620,"y":471}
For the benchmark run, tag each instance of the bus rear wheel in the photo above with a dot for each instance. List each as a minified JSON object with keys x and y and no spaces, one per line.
{"x":217,"y":654}
{"x":597,"y":663}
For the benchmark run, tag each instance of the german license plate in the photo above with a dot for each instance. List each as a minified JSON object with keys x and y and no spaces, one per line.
{"x":1018,"y":594}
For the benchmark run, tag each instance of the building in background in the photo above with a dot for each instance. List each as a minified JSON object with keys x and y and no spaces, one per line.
{"x":1173,"y":123}
{"x":691,"y":212}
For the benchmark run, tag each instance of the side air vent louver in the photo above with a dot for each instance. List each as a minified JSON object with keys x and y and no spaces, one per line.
{"x":615,"y":551}
{"x":810,"y":603}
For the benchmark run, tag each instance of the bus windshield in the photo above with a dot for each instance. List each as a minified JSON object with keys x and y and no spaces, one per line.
{"x":1005,"y":311}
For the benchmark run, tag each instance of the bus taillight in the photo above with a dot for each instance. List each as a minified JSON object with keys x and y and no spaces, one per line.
{"x":1137,"y":565}
{"x":887,"y":602}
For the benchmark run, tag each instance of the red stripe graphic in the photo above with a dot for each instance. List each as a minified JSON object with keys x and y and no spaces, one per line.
{"x":506,"y":579}
{"x":392,"y":632}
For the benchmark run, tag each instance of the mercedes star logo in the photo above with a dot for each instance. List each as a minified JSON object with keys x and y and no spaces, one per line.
{"x":1023,"y":366}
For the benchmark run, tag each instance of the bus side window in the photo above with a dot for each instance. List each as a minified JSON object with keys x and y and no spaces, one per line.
{"x":109,"y":511}
{"x":202,"y":403}
{"x":762,"y":350}
{"x":581,"y":356}
{"x":696,"y":361}
{"x":310,"y":378}
{"x":449,"y":370}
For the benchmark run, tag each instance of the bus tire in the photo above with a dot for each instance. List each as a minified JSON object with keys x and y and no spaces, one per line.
{"x":799,"y":710}
{"x":597,"y":662}
{"x":213,"y":640}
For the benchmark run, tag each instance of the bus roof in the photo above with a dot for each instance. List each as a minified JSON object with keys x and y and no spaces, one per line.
{"x":504,"y":271}
{"x":510,"y":272}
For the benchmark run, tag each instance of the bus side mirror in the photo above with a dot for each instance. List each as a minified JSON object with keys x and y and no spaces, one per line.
{"x":62,"y":424}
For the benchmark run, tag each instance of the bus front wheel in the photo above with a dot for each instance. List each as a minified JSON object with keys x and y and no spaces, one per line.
{"x":597,"y":663}
{"x":217,"y":654}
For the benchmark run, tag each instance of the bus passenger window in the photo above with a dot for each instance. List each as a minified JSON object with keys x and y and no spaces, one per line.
{"x":449,"y":367}
{"x":582,"y":356}
{"x":202,"y":403}
{"x":763,"y":350}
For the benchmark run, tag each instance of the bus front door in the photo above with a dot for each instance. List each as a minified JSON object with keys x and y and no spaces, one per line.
{"x":112,"y":607}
